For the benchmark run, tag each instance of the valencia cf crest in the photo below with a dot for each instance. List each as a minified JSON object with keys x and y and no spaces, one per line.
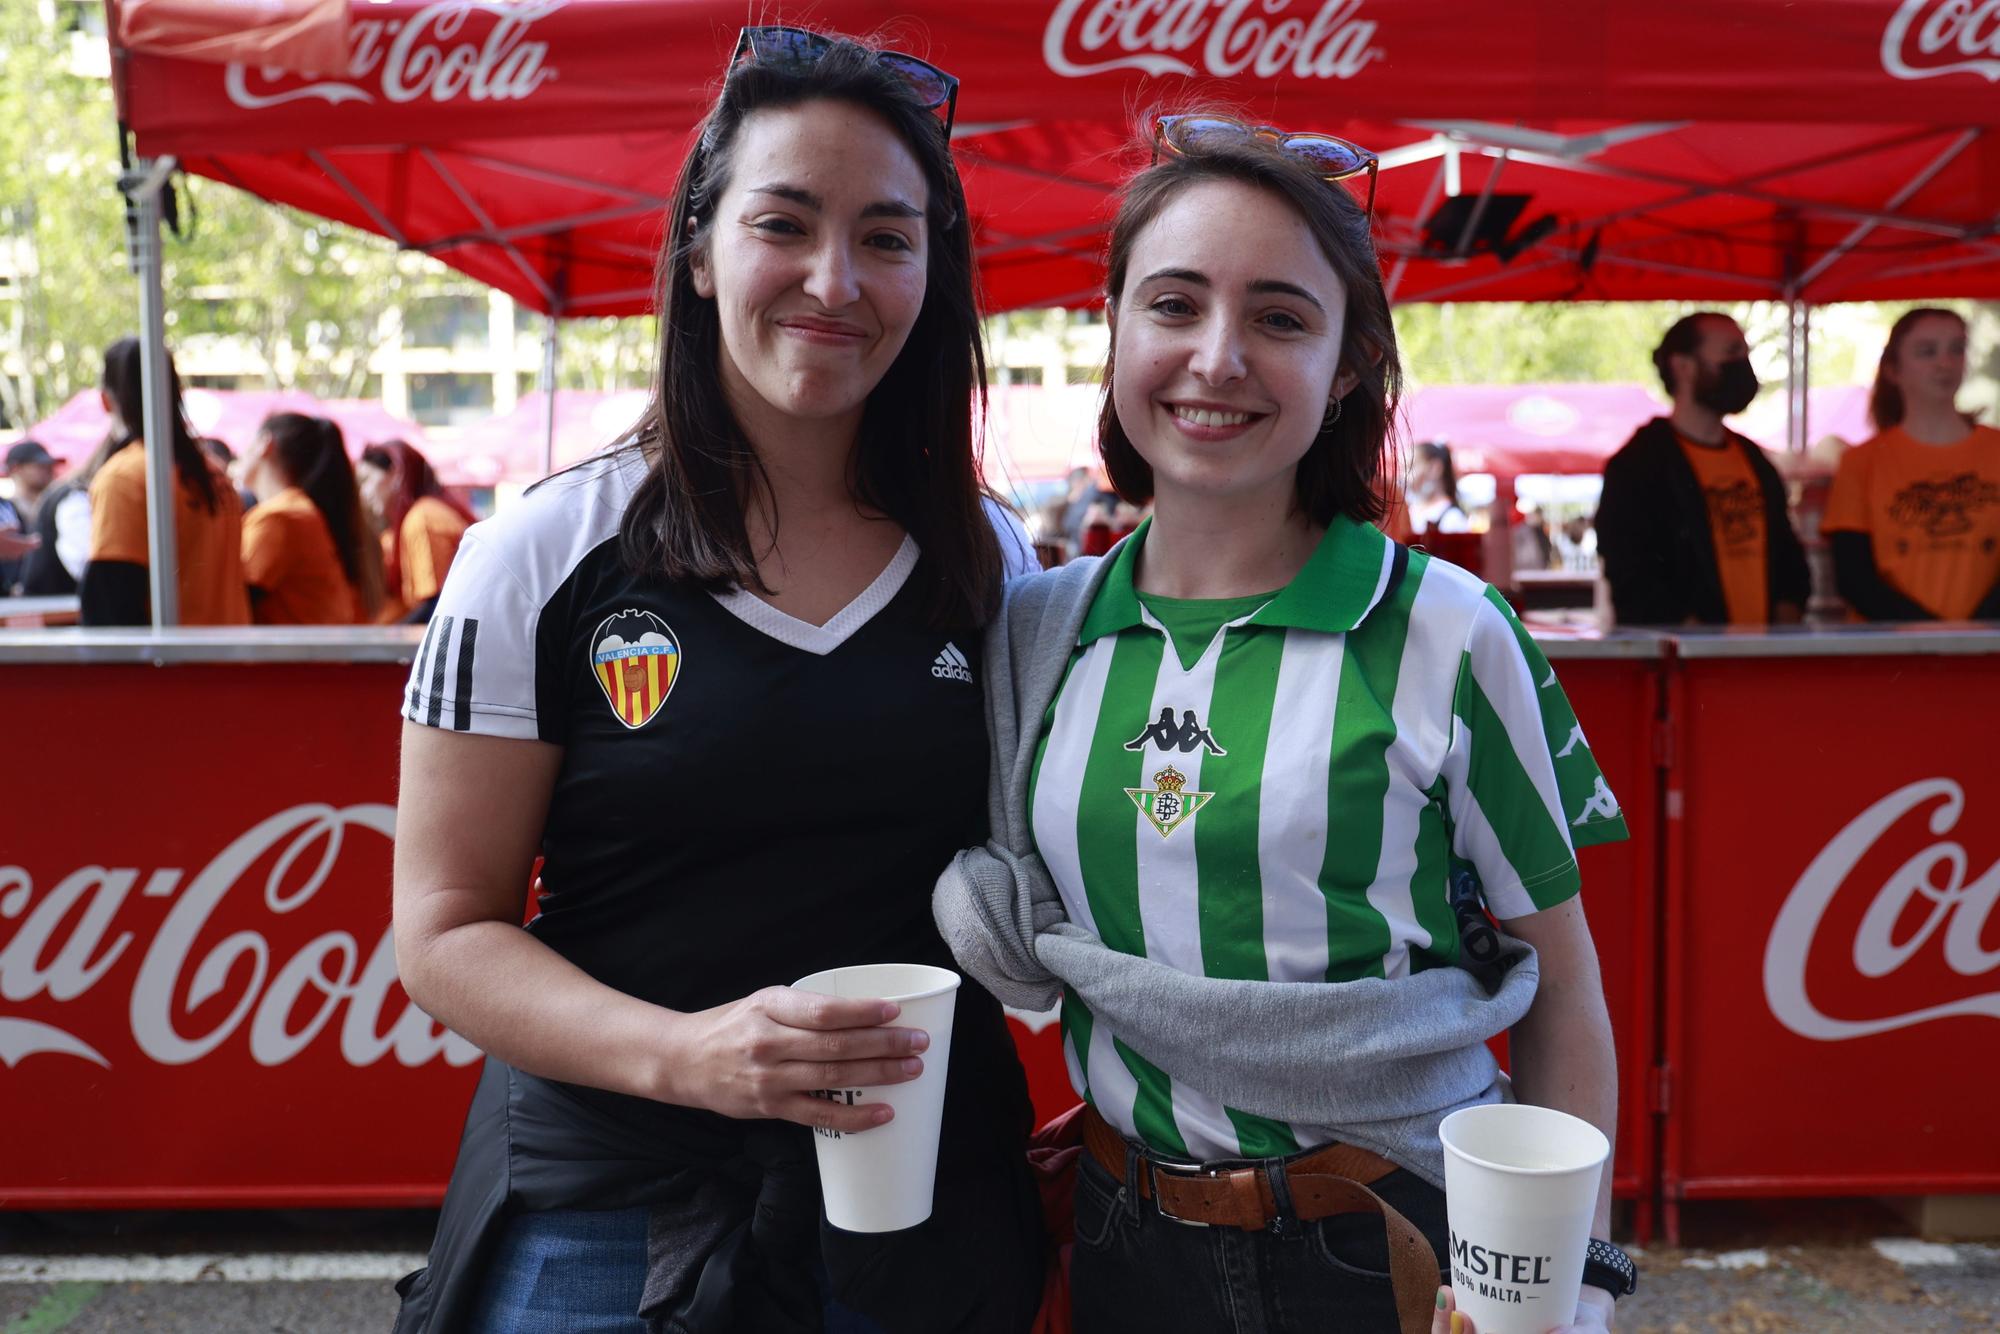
{"x":1165,"y":805}
{"x":636,"y":660}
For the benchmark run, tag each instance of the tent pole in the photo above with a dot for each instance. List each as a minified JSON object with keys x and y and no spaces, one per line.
{"x":142,"y":186}
{"x":1805,"y":375}
{"x":1798,"y":371}
{"x":549,"y":401}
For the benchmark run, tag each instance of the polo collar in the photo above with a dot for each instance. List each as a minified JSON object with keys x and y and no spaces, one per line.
{"x":1332,"y":593}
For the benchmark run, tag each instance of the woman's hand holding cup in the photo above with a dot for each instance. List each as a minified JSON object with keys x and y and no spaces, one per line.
{"x":1591,"y":1318}
{"x":768,"y":1056}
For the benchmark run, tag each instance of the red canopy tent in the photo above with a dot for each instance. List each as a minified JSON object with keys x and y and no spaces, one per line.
{"x":1715,"y":149}
{"x":1511,"y":429}
{"x":1596,"y":149}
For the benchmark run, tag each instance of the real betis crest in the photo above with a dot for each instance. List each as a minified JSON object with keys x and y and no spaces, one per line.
{"x":1164,"y":804}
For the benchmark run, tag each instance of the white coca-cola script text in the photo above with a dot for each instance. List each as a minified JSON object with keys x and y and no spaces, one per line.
{"x":1929,"y":38}
{"x":65,"y":945}
{"x":1223,"y":38}
{"x":427,"y":55}
{"x":1955,"y":911}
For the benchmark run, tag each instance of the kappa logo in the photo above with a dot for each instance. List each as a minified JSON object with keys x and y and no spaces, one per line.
{"x":1165,"y":804}
{"x":1183,"y":736}
{"x":636,"y":660}
{"x":1601,"y":806}
{"x":950,"y":665}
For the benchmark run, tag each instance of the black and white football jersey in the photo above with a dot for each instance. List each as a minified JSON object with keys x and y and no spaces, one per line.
{"x":744,"y":797}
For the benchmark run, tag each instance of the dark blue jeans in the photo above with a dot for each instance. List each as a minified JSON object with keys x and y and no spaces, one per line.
{"x":581,"y":1271}
{"x":1135,"y":1269}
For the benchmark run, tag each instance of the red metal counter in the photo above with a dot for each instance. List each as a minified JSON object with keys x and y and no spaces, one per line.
{"x":1831,"y":939}
{"x":198,"y":1003}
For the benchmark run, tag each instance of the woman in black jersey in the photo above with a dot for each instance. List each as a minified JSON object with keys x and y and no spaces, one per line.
{"x":700,"y":677}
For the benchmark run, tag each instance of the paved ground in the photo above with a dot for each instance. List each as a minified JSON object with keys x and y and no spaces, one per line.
{"x":1833,"y":1267}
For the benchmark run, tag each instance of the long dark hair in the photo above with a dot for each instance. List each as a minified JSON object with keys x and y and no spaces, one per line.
{"x":411,"y":478}
{"x":1439,"y":450}
{"x":1885,"y":400}
{"x":1341,"y":473}
{"x":916,"y":459}
{"x":311,"y":455}
{"x":122,"y":385}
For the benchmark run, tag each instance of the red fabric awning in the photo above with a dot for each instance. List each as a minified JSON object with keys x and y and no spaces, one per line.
{"x":1713,"y":149}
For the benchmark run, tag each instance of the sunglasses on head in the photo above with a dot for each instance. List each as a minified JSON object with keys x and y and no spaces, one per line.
{"x":1329,"y":158}
{"x":933,"y":89}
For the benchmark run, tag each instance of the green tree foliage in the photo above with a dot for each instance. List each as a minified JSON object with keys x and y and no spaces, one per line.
{"x":306,"y":298}
{"x":61,"y":241}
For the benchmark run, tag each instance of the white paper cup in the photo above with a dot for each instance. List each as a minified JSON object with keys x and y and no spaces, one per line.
{"x":1520,"y":1188}
{"x":881,"y":1179}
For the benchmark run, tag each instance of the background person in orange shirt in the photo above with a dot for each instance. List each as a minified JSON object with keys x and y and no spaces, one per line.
{"x":421,"y":524}
{"x":308,"y":556}
{"x":1915,"y":512}
{"x":207,"y":515}
{"x":1692,"y":527}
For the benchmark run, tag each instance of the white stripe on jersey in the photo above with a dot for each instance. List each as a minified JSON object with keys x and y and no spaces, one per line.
{"x":1075,"y":1067}
{"x":1426,"y":676}
{"x":1113,"y":1089}
{"x":1496,"y":666}
{"x":1292,"y":806}
{"x":1169,"y":878}
{"x":1058,"y":791}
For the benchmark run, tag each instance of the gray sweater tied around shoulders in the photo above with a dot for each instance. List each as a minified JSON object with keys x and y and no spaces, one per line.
{"x":1377,"y":1063}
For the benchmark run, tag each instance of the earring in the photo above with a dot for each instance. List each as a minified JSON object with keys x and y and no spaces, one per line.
{"x":1332,"y":414}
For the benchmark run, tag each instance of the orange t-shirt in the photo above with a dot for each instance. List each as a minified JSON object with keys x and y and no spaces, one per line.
{"x":288,"y":552}
{"x":1736,"y":522}
{"x":432,"y":531}
{"x":208,"y":544}
{"x":1932,"y":512}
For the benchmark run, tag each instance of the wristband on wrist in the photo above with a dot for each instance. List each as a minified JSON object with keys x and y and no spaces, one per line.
{"x":1606,"y":1266}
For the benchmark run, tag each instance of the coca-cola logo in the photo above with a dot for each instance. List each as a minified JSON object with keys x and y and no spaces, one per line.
{"x":65,"y":944}
{"x":1931,"y":885}
{"x":430,"y":54}
{"x":1927,"y":38}
{"x":1265,"y":39}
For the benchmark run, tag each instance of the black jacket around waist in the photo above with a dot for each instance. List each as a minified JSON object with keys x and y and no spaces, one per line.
{"x":736,"y":1225}
{"x":1656,"y":544}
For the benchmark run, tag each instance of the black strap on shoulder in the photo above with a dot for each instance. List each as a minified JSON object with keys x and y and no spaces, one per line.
{"x":1399,"y":565}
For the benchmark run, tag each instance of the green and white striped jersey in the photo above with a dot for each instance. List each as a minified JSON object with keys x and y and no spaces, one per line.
{"x":1289,"y":807}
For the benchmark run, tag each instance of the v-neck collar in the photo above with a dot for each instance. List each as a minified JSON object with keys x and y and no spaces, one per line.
{"x":821,"y":640}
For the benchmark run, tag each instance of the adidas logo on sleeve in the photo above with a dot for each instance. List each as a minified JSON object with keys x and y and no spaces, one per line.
{"x":950,"y":665}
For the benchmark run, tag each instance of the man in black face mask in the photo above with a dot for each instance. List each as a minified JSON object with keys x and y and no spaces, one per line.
{"x":1692,"y":526}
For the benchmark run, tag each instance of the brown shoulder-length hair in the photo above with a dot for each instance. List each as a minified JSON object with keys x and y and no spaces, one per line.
{"x":1342,"y":472}
{"x":1885,"y":400}
{"x":916,"y":459}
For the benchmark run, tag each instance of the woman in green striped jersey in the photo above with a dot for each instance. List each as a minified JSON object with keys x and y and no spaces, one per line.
{"x":1257,"y":774}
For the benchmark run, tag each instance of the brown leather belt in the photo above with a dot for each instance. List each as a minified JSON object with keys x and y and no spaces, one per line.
{"x":1331,"y":1180}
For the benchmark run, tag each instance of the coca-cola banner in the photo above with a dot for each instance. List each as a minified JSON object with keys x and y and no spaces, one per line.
{"x":198,"y":995}
{"x":1833,"y":945}
{"x":444,"y":69}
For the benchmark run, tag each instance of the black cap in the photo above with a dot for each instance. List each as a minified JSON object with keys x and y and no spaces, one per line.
{"x":24,"y":452}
